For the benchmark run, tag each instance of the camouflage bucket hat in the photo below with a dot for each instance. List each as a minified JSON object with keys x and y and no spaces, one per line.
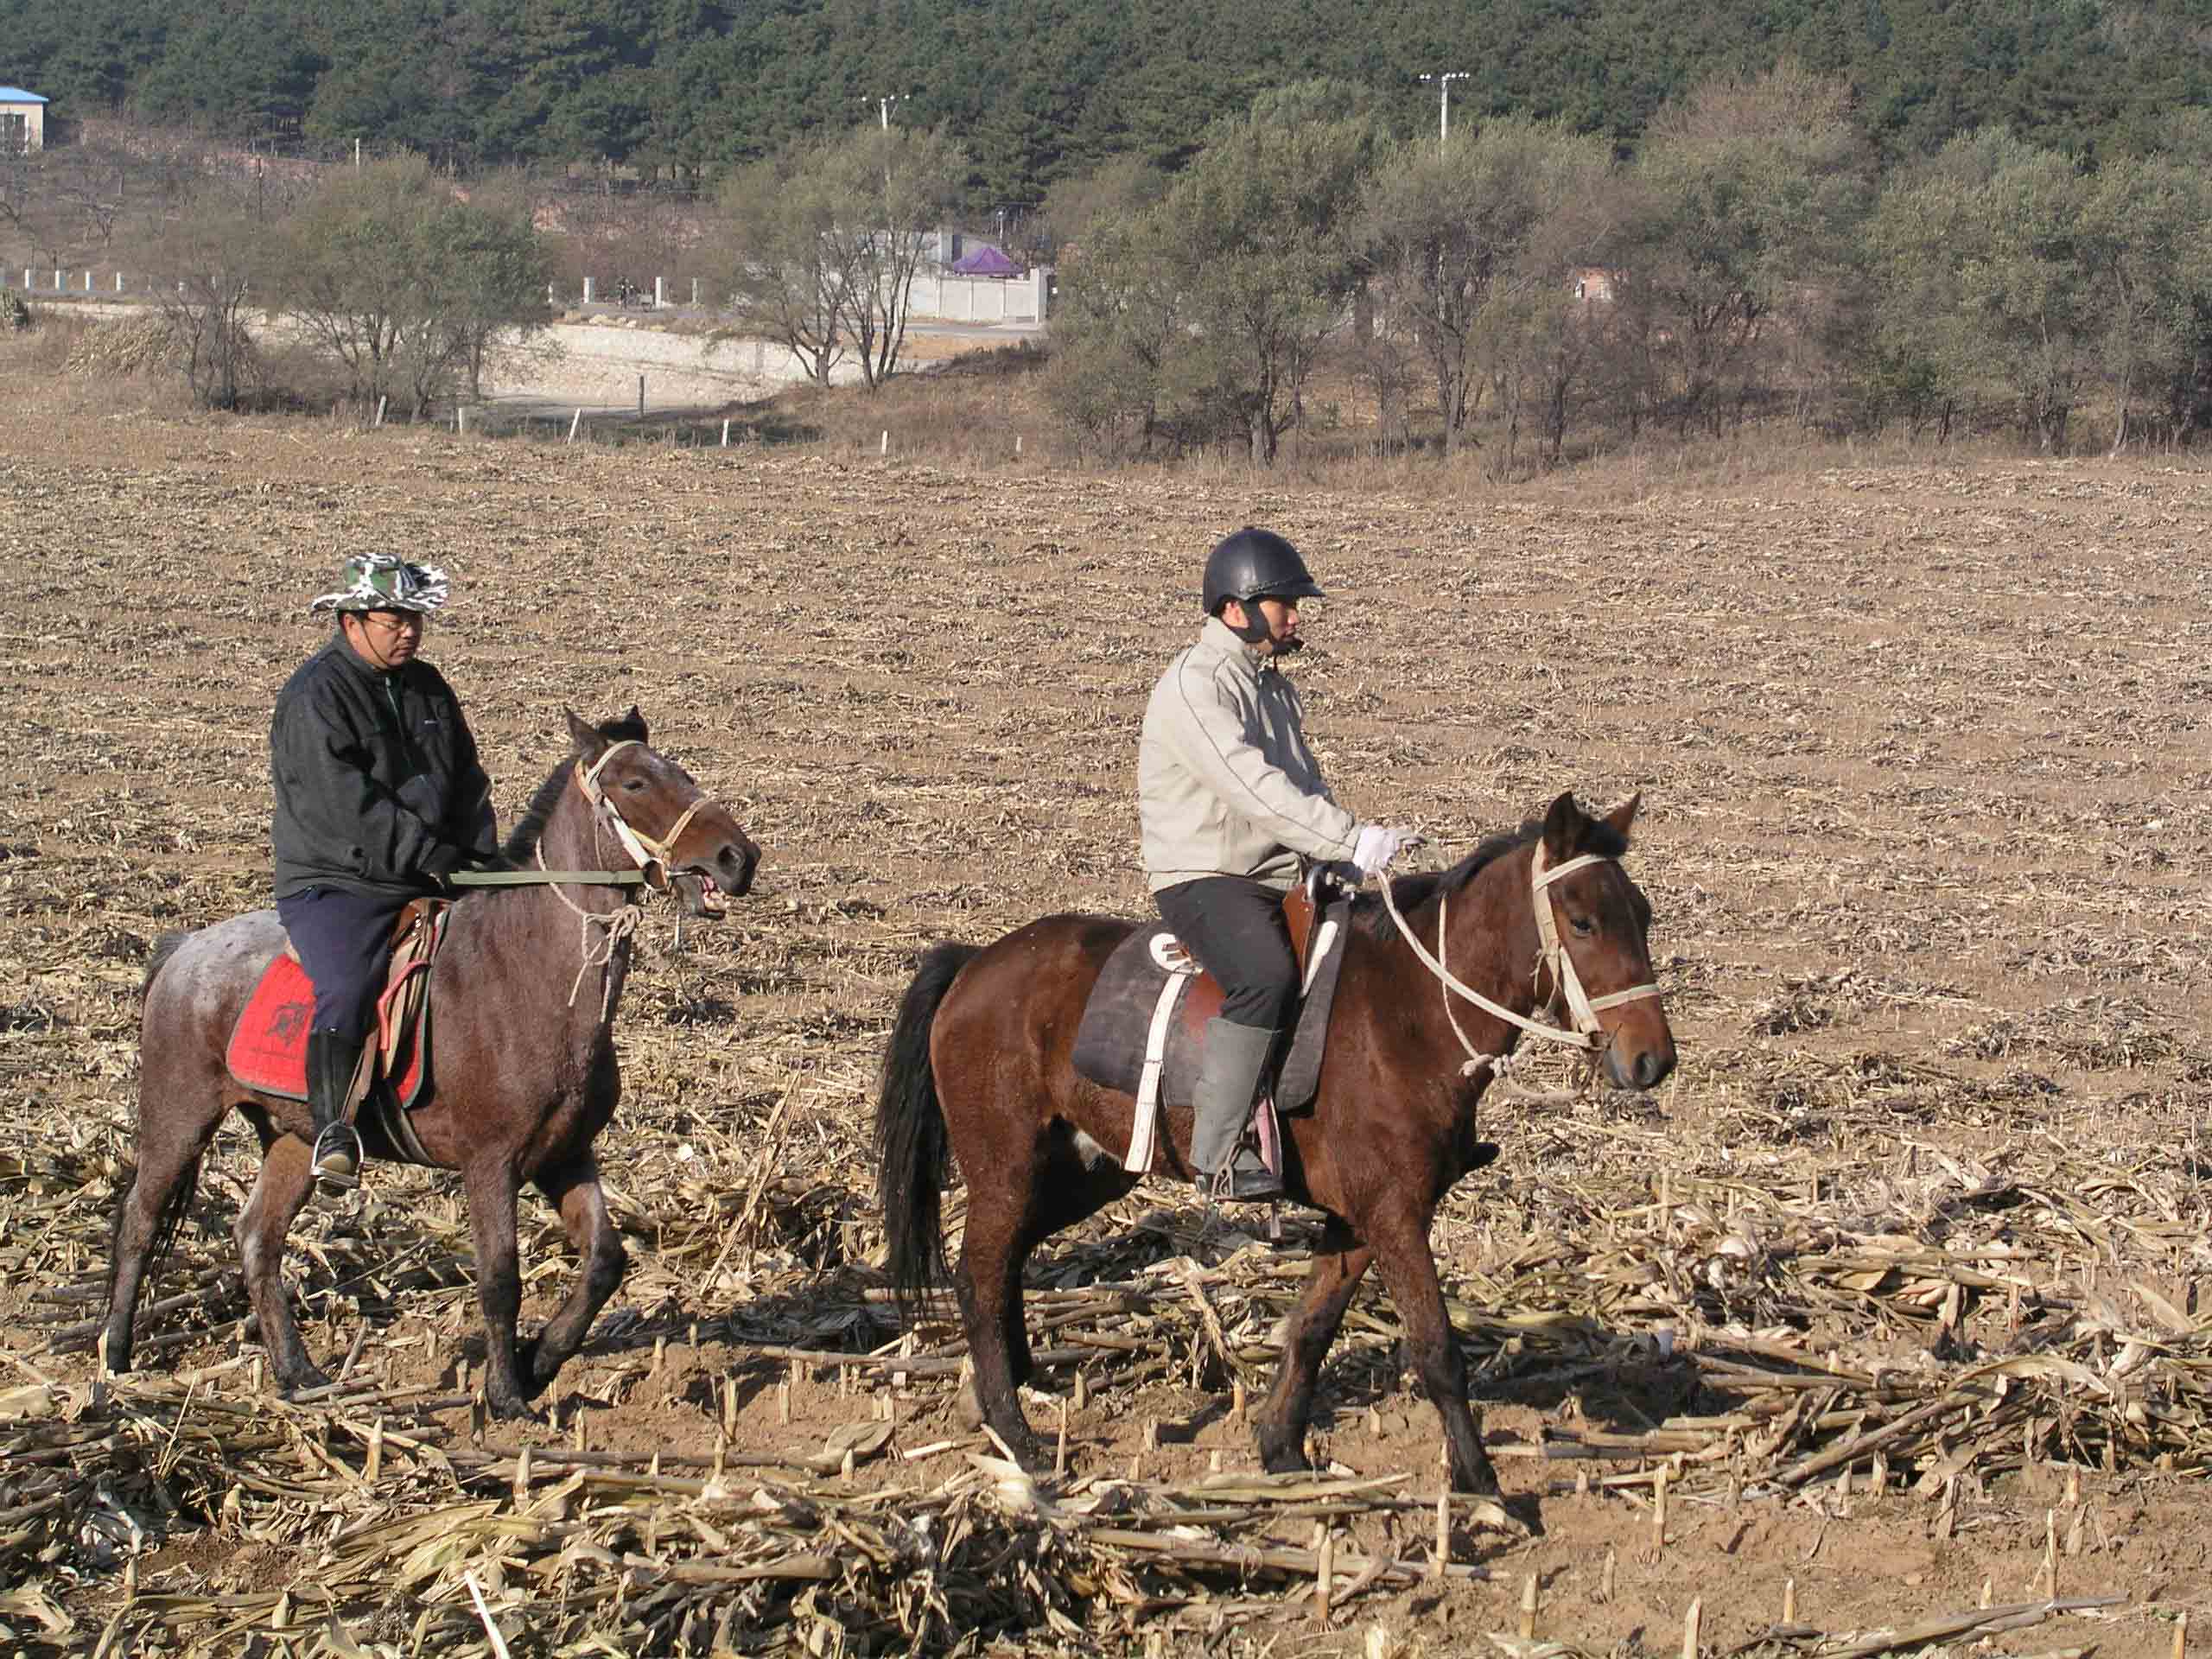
{"x":381,"y":582}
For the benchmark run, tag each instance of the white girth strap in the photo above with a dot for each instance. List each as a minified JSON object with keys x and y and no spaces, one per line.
{"x":1144,"y":1136}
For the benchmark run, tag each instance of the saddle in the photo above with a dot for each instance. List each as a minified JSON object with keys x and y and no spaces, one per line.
{"x":1143,"y":1028}
{"x":268,"y":1049}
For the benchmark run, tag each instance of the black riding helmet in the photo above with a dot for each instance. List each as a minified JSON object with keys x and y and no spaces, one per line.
{"x":1251,"y":564}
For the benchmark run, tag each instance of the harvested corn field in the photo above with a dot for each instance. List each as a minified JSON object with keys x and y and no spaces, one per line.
{"x":1879,"y":1328}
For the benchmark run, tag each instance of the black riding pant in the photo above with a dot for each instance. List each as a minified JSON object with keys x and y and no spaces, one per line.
{"x":344,"y":940}
{"x":1234,"y":927}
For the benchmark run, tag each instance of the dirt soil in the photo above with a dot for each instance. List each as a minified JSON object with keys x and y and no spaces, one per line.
{"x":1924,"y":762}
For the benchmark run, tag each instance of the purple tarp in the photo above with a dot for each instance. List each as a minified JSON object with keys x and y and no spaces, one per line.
{"x":985,"y":261}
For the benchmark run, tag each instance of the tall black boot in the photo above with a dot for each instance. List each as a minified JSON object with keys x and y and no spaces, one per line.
{"x":333,"y":1059}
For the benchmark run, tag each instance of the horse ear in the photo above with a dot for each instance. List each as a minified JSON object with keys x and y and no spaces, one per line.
{"x":1623,"y":814}
{"x":584,"y":735}
{"x":634,"y":718}
{"x":1563,"y":828}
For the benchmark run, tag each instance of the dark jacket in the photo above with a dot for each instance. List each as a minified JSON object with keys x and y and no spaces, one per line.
{"x":378,"y":788}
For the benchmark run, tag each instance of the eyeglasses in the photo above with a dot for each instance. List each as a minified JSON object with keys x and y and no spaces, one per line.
{"x":395,"y":621}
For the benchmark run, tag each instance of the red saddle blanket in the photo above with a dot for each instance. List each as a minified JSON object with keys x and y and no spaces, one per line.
{"x":268,"y":1052}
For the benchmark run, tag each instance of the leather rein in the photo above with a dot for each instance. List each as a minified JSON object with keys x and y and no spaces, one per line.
{"x":1586,"y":1034}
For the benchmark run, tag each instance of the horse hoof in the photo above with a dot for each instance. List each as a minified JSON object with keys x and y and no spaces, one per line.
{"x":967,"y":1404}
{"x":1279,"y":1455}
{"x":1030,"y":1453}
{"x":1478,"y":1482}
{"x":535,"y":1367}
{"x":298,"y":1382}
{"x":510,"y":1408}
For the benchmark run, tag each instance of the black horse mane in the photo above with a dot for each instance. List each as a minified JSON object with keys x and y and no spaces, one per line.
{"x":1417,"y":889}
{"x":522,"y":840}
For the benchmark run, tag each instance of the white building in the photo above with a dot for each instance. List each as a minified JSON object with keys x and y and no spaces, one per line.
{"x":22,"y":120}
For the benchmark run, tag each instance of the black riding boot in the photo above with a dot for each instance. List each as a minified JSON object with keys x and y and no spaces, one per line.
{"x":333,"y":1059}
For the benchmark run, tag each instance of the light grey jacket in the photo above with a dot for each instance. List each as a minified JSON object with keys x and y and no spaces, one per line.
{"x":1225,"y":784}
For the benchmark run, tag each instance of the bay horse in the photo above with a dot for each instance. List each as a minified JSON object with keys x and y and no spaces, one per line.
{"x":522,"y":1072}
{"x":979,"y":1066}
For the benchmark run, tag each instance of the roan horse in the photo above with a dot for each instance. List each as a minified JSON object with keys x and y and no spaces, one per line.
{"x":523,"y":1069}
{"x":979,"y":1066}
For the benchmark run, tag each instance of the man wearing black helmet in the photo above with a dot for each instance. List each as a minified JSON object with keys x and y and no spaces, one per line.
{"x":1229,"y":798}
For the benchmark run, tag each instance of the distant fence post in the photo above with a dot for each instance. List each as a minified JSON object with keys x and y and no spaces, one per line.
{"x":694,"y":293}
{"x":660,"y":292}
{"x":587,"y":290}
{"x":118,"y":282}
{"x":60,"y":285}
{"x":26,"y":279}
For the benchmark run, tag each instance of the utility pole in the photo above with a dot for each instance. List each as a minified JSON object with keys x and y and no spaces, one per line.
{"x":1443,"y":102}
{"x":883,"y":107}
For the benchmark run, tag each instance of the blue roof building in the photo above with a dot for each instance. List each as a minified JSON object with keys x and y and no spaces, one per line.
{"x":22,"y":120}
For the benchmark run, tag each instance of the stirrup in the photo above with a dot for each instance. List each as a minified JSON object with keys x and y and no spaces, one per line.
{"x":1232,"y":1185}
{"x":337,"y":1156}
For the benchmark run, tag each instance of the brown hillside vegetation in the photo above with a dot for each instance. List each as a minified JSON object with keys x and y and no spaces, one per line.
{"x":1886,"y":1306}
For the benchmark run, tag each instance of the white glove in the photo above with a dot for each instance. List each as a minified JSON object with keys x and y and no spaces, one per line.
{"x":1372,"y":853}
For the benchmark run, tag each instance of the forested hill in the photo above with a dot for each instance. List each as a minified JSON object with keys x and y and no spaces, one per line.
{"x":1038,"y":89}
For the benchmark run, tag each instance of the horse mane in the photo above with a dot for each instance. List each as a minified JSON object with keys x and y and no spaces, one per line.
{"x":1411,"y":891}
{"x":522,"y":839}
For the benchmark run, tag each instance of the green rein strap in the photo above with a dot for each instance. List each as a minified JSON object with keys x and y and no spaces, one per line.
{"x":542,"y":878}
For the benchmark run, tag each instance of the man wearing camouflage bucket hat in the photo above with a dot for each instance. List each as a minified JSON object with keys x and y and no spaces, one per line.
{"x":380,"y":798}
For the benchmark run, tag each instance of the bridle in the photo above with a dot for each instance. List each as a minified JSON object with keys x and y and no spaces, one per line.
{"x":1586,"y":1034}
{"x":646,"y":851}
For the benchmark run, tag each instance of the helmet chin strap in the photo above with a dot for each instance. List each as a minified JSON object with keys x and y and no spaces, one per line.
{"x":1254,"y":631}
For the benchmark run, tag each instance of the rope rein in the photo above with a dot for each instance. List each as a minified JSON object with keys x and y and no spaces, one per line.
{"x":1566,"y":983}
{"x":621,"y":925}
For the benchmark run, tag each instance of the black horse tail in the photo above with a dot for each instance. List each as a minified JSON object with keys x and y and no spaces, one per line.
{"x":180,"y":1199}
{"x":910,"y":1145}
{"x":166,"y":1224}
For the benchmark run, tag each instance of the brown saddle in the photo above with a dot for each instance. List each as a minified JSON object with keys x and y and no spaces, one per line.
{"x":1117,"y":1034}
{"x":412,"y":915}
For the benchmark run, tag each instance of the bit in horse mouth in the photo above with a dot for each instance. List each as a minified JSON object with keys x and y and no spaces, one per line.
{"x":710,"y":902}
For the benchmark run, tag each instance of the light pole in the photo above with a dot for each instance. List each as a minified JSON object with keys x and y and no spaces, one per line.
{"x":1444,"y":101}
{"x":883,"y":107}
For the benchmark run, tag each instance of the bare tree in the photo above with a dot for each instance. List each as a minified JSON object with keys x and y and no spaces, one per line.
{"x":98,"y":200}
{"x":782,"y":278}
{"x":888,"y":190}
{"x":1466,"y":249}
{"x":387,"y":273}
{"x":206,"y":267}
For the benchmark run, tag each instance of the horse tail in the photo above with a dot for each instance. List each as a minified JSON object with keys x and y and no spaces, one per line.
{"x":910,"y":1141}
{"x":166,"y":1224}
{"x":164,"y":948}
{"x":171,"y":1218}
